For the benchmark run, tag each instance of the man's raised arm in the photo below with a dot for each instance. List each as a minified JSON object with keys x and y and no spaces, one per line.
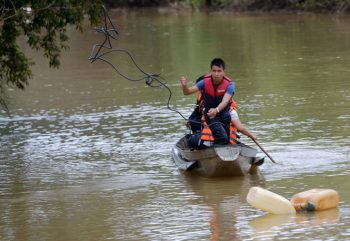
{"x":185,"y":89}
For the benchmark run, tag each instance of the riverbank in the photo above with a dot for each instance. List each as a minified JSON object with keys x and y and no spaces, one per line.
{"x":325,"y":6}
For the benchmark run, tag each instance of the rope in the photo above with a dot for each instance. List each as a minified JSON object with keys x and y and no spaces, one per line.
{"x":99,"y":51}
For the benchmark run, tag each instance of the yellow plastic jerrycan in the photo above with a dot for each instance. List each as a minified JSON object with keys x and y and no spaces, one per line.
{"x":315,"y":200}
{"x":269,"y":202}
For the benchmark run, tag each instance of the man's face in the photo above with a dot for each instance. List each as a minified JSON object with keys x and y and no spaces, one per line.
{"x":217,"y":73}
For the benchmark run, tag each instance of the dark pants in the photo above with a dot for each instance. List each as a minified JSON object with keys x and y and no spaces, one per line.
{"x":195,"y":142}
{"x":220,"y":127}
{"x":195,"y":120}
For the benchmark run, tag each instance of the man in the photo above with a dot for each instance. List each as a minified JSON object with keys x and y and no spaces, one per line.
{"x":237,"y":124}
{"x":203,"y":139}
{"x":217,"y":92}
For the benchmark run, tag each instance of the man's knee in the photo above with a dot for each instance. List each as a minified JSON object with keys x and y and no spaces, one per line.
{"x":220,"y":134}
{"x":222,"y":139}
{"x":195,"y":122}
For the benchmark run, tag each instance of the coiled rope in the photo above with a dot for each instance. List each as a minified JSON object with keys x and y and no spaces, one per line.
{"x":100,"y":51}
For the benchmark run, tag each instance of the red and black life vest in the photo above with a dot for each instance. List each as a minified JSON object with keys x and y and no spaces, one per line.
{"x":212,"y":96}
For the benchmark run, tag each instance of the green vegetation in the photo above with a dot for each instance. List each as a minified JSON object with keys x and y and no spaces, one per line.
{"x":244,"y":5}
{"x":267,"y":5}
{"x":43,"y":24}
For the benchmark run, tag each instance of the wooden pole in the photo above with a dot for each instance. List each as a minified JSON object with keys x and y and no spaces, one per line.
{"x":263,"y":150}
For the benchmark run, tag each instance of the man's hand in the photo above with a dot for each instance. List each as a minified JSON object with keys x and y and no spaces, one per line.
{"x":184,"y":81}
{"x":253,"y":136}
{"x":212,"y":113}
{"x":185,"y":89}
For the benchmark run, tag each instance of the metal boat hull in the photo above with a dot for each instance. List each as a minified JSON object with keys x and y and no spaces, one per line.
{"x":227,"y":160}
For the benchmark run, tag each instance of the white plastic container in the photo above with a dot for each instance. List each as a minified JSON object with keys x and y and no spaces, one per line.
{"x":269,"y":202}
{"x":315,"y":200}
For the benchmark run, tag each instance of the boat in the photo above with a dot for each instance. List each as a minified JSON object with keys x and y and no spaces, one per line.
{"x":215,"y":161}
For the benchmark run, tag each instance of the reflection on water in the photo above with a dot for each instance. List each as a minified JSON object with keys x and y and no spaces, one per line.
{"x":269,"y":226}
{"x":229,"y":187}
{"x":223,"y":197}
{"x":85,"y":154}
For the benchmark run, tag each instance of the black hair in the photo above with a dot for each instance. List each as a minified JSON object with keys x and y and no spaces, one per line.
{"x":217,"y":62}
